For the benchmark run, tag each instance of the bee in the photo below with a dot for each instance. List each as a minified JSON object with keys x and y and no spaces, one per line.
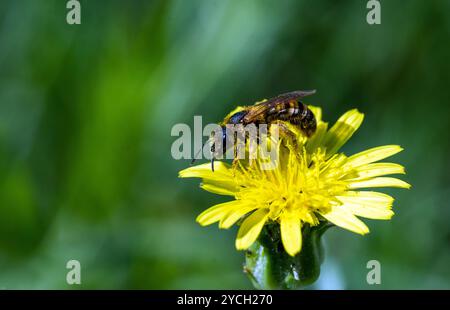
{"x":285,"y":107}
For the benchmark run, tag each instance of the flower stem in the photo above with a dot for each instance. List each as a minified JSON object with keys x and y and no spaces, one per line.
{"x":270,"y":267}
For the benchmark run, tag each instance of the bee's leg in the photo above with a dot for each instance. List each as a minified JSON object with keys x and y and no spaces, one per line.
{"x":212,"y":157}
{"x":213,"y":151}
{"x":287,"y":133}
{"x":284,"y":130}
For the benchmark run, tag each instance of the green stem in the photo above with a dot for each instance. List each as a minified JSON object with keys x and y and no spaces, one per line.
{"x":270,"y":267}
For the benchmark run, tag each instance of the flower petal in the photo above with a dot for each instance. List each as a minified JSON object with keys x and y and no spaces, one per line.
{"x":369,"y":197}
{"x":375,"y":170}
{"x":371,"y":205}
{"x":220,"y":188}
{"x":221,"y":170}
{"x":250,"y":228}
{"x":372,"y":155}
{"x":379,"y":182}
{"x":220,"y":181}
{"x":215,"y":213}
{"x":368,"y":211}
{"x":316,"y":140}
{"x":344,"y":128}
{"x":235,"y":214}
{"x":291,"y":234}
{"x":317,"y":111}
{"x":345,"y":219}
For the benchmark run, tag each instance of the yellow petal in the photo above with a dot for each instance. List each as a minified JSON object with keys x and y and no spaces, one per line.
{"x":235,"y":214}
{"x":220,"y":188}
{"x":345,"y":219}
{"x":372,"y":155}
{"x":375,"y":170}
{"x":221,"y":171}
{"x":250,"y":229}
{"x":344,"y":128}
{"x":215,"y":213}
{"x":379,"y":182}
{"x":291,"y":234}
{"x":220,"y":181}
{"x":317,"y":111}
{"x":368,"y":197}
{"x":369,"y":212}
{"x":321,"y":130}
{"x":379,"y":209}
{"x":316,"y":140}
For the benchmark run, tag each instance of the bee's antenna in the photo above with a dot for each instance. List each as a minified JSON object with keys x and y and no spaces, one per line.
{"x":212,"y":164}
{"x":199,"y":151}
{"x":194,"y":159}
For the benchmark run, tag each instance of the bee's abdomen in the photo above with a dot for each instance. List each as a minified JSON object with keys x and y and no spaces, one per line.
{"x":285,"y":111}
{"x":306,"y":120}
{"x":296,"y":113}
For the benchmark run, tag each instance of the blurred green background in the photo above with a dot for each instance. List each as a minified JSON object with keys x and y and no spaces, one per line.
{"x":86,"y":112}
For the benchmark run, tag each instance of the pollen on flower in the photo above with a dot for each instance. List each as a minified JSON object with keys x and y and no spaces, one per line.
{"x":304,"y":187}
{"x":311,"y":182}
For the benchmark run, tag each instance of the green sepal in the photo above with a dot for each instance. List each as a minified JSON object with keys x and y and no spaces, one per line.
{"x":269,"y":266}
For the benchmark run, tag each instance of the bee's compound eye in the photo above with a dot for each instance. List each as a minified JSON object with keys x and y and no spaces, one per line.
{"x":236,"y":118}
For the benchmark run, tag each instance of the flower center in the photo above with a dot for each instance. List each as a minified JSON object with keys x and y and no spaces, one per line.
{"x":306,"y":184}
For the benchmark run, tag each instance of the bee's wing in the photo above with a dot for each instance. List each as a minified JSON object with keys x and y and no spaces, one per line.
{"x":264,"y":106}
{"x":256,"y":110}
{"x":294,"y":95}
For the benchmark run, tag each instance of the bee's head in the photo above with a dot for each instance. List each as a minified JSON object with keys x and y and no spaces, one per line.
{"x":217,"y":151}
{"x":237,"y":117}
{"x":232,"y":119}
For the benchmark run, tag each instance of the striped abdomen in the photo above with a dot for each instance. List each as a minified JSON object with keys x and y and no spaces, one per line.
{"x":296,"y":113}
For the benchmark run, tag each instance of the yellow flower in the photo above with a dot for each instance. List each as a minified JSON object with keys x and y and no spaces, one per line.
{"x":311,"y":182}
